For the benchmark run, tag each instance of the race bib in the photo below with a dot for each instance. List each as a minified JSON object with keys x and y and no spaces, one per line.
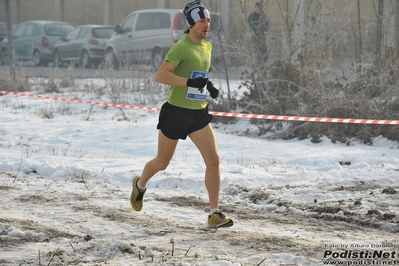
{"x":198,"y":94}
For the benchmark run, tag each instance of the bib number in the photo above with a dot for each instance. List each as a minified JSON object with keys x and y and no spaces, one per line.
{"x":198,"y":94}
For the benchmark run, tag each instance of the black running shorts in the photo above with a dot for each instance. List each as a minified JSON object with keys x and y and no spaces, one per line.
{"x":177,"y":123}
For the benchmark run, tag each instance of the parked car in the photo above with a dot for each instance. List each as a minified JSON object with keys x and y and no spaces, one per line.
{"x":84,"y":44}
{"x":34,"y":41}
{"x":145,"y":36}
{"x":3,"y":30}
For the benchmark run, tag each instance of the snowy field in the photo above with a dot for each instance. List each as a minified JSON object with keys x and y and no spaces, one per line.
{"x":65,"y":181}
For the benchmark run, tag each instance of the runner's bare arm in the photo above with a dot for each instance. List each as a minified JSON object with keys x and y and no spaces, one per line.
{"x":165,"y":75}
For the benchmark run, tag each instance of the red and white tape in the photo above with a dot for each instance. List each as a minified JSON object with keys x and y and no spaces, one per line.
{"x":79,"y":101}
{"x":223,"y":114}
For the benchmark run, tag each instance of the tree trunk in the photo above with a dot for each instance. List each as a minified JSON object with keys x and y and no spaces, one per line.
{"x":11,"y":49}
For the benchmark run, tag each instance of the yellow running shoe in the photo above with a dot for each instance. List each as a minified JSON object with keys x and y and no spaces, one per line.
{"x":218,"y":219}
{"x":136,"y":198}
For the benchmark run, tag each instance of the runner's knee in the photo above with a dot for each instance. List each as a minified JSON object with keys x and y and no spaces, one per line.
{"x":212,"y":160}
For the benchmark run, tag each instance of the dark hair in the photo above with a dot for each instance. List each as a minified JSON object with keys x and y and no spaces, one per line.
{"x":257,"y":4}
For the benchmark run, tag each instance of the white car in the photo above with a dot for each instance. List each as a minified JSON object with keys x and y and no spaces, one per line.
{"x":145,"y":36}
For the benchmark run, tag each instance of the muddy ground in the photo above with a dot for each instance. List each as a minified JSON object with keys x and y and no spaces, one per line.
{"x":43,"y":224}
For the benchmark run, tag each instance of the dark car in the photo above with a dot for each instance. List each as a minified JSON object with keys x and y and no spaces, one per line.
{"x":34,"y":41}
{"x":84,"y":44}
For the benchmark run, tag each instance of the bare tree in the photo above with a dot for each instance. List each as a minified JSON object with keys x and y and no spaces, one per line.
{"x":10,"y":38}
{"x":304,"y":76}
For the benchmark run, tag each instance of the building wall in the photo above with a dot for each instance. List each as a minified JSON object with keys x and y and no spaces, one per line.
{"x":83,"y":11}
{"x":78,"y":12}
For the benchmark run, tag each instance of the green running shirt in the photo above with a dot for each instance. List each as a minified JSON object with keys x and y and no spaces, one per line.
{"x":191,"y":60}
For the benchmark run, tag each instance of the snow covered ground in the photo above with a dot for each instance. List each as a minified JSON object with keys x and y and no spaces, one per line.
{"x":65,"y":182}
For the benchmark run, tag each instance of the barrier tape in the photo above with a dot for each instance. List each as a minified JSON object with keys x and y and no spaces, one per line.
{"x":222,"y":114}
